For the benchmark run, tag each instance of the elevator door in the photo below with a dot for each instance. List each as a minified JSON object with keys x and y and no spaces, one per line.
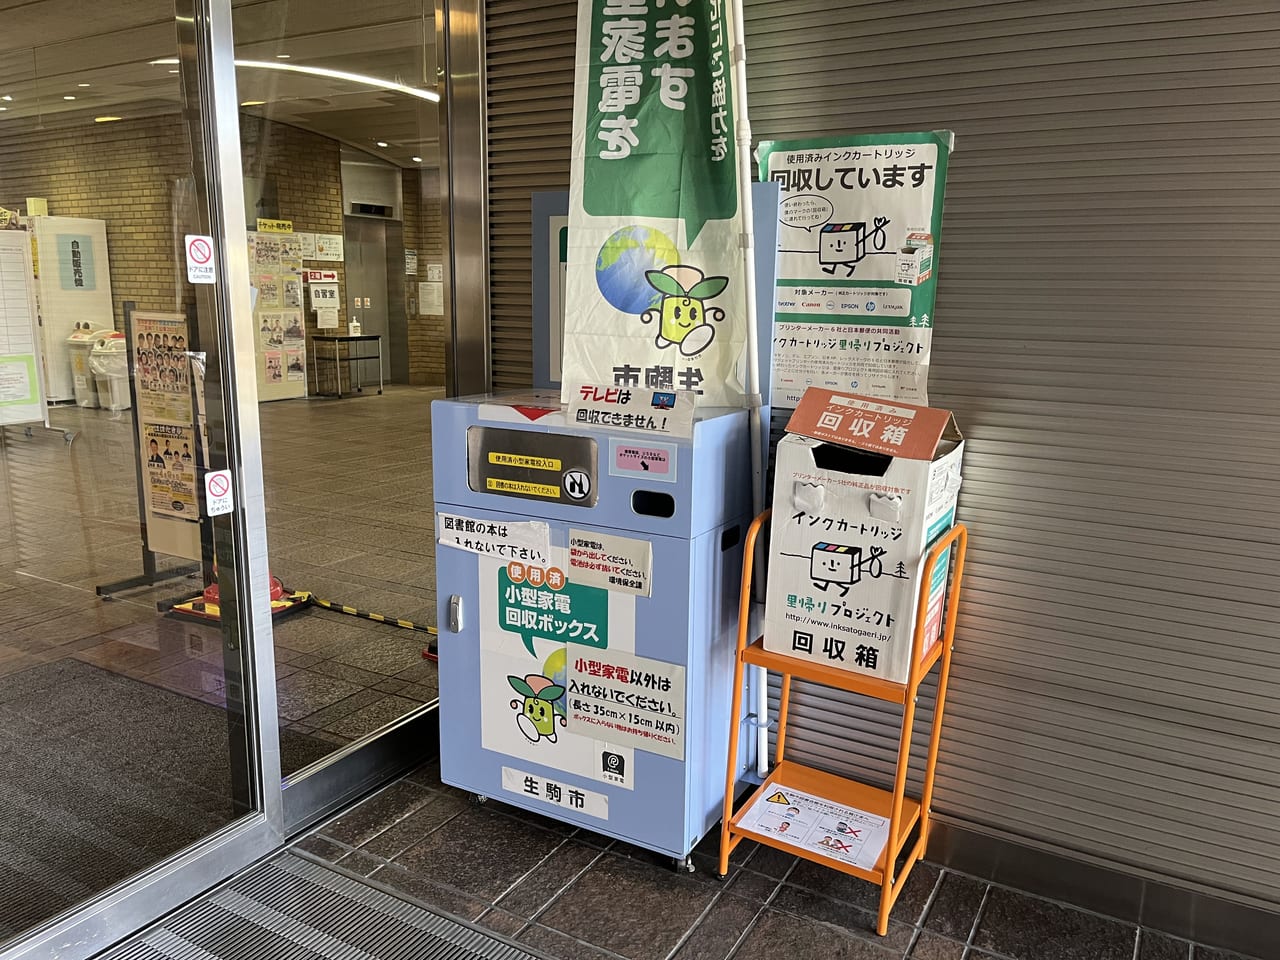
{"x":366,"y":261}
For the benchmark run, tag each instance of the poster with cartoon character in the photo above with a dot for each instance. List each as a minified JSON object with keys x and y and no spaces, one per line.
{"x":860,"y":222}
{"x":532,"y":621}
{"x":654,"y":289}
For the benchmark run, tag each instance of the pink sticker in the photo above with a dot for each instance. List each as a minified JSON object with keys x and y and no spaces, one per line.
{"x":635,"y":458}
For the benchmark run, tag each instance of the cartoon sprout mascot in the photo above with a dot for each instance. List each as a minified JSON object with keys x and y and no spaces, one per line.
{"x":536,"y":715}
{"x":684,"y":318}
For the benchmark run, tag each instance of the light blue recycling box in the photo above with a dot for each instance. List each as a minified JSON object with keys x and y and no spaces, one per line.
{"x":588,"y":583}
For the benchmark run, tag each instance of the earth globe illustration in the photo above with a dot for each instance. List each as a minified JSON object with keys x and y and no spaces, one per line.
{"x":622,"y":262}
{"x":555,"y":670}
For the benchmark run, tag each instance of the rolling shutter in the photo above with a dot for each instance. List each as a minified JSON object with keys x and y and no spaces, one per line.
{"x":529,"y":89}
{"x":1107,"y":336}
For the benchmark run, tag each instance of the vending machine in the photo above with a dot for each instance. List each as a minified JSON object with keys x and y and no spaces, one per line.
{"x":73,"y":291}
{"x":587,"y":583}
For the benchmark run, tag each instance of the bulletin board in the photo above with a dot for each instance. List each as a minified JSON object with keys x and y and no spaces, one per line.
{"x":279,"y":322}
{"x":22,"y":393}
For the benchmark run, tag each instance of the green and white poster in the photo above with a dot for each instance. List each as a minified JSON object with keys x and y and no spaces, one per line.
{"x":861,"y":220}
{"x":654,"y":292}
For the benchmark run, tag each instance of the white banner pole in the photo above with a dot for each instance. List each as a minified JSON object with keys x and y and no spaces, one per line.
{"x":759,"y":448}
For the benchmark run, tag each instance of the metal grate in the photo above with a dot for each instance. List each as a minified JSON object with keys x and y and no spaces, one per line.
{"x":290,"y":909}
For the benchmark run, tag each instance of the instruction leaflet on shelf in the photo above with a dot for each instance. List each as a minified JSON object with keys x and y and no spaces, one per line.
{"x":861,"y":218}
{"x":818,"y":826}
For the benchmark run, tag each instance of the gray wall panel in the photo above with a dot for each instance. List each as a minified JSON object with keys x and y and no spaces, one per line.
{"x":1108,"y":337}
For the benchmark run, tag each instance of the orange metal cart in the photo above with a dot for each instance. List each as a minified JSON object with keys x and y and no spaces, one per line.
{"x":904,"y":813}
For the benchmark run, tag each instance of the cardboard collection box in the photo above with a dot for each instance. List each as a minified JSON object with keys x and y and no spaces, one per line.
{"x":863,"y":488}
{"x":915,"y":260}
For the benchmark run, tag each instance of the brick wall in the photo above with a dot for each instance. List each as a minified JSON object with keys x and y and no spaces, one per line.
{"x":129,"y":173}
{"x":424,"y":232}
{"x":124,"y":173}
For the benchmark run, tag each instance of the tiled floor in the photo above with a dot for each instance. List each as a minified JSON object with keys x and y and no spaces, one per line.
{"x":578,"y":896}
{"x":349,"y":519}
{"x":348,"y":488}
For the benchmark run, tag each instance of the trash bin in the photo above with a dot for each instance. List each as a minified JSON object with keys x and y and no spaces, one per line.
{"x":109,"y":363}
{"x":79,"y":346}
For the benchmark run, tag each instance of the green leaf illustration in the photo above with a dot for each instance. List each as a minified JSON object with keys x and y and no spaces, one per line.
{"x":708,"y":288}
{"x":520,"y":687}
{"x":665,"y":283}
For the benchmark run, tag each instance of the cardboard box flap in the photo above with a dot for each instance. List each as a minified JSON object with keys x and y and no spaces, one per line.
{"x":891,"y":427}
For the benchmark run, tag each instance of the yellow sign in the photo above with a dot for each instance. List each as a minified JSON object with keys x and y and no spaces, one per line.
{"x":275,"y":226}
{"x":519,"y":486}
{"x":779,"y":797}
{"x":35,"y":257}
{"x":520,"y":460}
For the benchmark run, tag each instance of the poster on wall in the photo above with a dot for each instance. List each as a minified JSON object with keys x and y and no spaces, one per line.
{"x":655,"y":290}
{"x":273,"y":361}
{"x":266,"y":253}
{"x":268,"y":286}
{"x":291,"y":291}
{"x":295,"y":368}
{"x":169,"y":454}
{"x":860,"y":223}
{"x":306,"y":245}
{"x":329,"y":246}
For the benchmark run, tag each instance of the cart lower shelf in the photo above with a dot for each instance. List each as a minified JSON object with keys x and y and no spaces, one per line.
{"x":839,"y":792}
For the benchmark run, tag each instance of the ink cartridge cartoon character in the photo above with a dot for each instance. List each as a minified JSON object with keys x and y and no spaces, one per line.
{"x":684,"y":318}
{"x":536,"y":715}
{"x":835,"y":563}
{"x":845,"y":244}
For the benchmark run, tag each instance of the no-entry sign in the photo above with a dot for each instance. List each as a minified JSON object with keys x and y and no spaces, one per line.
{"x":217,"y":493}
{"x":200,"y":263}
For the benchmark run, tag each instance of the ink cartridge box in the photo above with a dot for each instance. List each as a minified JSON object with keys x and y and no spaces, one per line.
{"x":863,"y":488}
{"x":915,"y":260}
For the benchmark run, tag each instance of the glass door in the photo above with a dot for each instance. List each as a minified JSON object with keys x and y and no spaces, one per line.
{"x":347,"y":223}
{"x":133,"y":769}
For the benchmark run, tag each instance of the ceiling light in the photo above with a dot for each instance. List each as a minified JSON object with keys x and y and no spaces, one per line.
{"x":6,"y":98}
{"x":106,"y":119}
{"x":417,"y":159}
{"x":68,"y":97}
{"x":174,"y":71}
{"x":164,"y":60}
{"x":4,"y":108}
{"x":343,"y":75}
{"x":382,"y":143}
{"x":283,"y":56}
{"x":252,"y":103}
{"x":82,"y":84}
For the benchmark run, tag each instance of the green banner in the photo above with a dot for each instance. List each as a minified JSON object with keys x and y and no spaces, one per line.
{"x":660,"y":130}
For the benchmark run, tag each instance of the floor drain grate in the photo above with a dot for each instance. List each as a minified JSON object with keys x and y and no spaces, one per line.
{"x":291,"y":909}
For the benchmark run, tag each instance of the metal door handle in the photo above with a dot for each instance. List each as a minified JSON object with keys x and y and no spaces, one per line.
{"x":455,"y":613}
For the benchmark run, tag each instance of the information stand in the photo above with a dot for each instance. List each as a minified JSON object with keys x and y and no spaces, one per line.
{"x":22,"y":394}
{"x":849,"y":826}
{"x":170,"y":413}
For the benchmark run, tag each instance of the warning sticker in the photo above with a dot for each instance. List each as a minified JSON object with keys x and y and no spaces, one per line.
{"x":627,"y":700}
{"x":507,"y":540}
{"x":615,"y":563}
{"x":653,"y":461}
{"x":520,"y":460}
{"x":499,"y":485}
{"x":815,"y":825}
{"x":556,"y":793}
